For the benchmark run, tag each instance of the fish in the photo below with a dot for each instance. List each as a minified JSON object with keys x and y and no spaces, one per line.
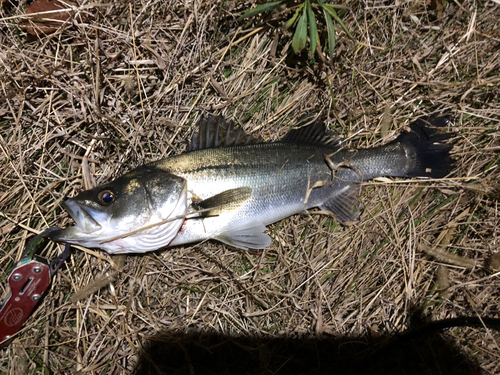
{"x":228,"y":185}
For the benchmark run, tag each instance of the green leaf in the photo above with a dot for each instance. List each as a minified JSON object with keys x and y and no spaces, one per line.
{"x":333,"y":13}
{"x":331,"y":33}
{"x":259,"y":9}
{"x":292,"y":20}
{"x":300,"y":36}
{"x":313,"y":30}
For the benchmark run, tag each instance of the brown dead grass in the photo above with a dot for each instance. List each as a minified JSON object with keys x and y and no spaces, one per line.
{"x":122,"y":84}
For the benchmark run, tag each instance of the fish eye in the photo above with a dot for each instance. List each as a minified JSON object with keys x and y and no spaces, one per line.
{"x":106,"y":197}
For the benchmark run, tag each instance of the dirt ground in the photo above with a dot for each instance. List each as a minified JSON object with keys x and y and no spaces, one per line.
{"x":123,"y":83}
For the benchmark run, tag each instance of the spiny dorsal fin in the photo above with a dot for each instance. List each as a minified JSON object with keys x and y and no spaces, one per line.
{"x":226,"y":201}
{"x":310,"y":131}
{"x":215,"y":132}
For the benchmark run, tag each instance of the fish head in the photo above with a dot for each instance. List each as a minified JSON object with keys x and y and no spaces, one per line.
{"x":141,"y":198}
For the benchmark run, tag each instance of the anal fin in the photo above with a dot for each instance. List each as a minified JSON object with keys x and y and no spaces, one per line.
{"x":345,"y":203}
{"x":248,"y":236}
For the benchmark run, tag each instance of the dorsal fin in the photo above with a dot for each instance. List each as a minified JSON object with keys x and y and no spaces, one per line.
{"x":215,"y":132}
{"x":310,"y":131}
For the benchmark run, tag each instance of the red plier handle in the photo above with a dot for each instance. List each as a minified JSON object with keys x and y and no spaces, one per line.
{"x":29,"y":281}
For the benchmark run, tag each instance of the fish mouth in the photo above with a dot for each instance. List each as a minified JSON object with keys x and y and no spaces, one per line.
{"x":85,"y":222}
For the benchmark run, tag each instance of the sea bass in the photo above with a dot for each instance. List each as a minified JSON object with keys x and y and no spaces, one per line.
{"x":228,"y":186}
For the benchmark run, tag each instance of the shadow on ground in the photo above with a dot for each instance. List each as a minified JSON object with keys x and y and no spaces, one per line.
{"x":179,"y":353}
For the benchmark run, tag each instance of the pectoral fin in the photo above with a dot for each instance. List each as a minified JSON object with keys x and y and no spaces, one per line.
{"x":249,"y":236}
{"x":226,"y":201}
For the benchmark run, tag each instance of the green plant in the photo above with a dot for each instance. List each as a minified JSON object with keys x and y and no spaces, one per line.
{"x":304,"y":18}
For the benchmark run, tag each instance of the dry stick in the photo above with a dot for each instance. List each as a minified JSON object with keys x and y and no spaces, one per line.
{"x":259,"y":313}
{"x":87,"y":180}
{"x":18,"y":126}
{"x":99,"y":282}
{"x":118,"y":262}
{"x":387,"y":181}
{"x":442,"y":279}
{"x":386,"y":121}
{"x":114,"y":122}
{"x":2,"y":142}
{"x":191,"y":320}
{"x":444,"y":236}
{"x":411,"y":255}
{"x":136,"y":65}
{"x":280,"y":113}
{"x":241,"y":39}
{"x":420,"y":83}
{"x":32,"y":15}
{"x":204,"y":87}
{"x":182,"y":78}
{"x":202,"y":65}
{"x":184,"y":30}
{"x":309,"y":190}
{"x":44,"y":149}
{"x":369,"y":84}
{"x":234,"y":278}
{"x":70,"y":8}
{"x":257,"y":86}
{"x":97,"y":74}
{"x":25,"y":227}
{"x":253,"y":89}
{"x":319,"y":321}
{"x":439,"y":250}
{"x":443,"y":256}
{"x":446,"y":56}
{"x":46,"y":342}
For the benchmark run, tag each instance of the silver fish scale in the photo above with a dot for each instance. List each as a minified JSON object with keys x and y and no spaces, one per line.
{"x":241,"y":188}
{"x":279,"y":174}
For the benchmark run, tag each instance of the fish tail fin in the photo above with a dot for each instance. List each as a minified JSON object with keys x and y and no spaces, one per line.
{"x":431,"y":156}
{"x":426,"y":156}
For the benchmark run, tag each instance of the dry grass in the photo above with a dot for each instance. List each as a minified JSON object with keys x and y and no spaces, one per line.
{"x":122,"y":84}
